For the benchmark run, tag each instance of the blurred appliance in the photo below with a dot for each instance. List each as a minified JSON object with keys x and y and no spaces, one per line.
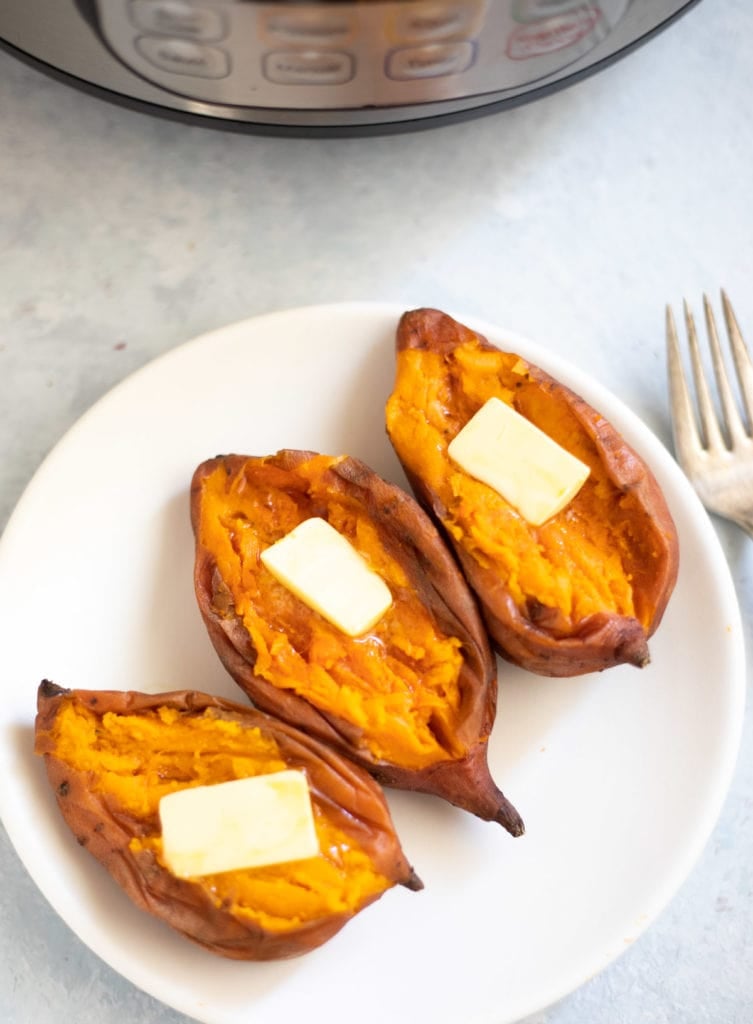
{"x":331,"y":67}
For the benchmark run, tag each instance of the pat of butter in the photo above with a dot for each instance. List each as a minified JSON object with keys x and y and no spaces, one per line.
{"x":244,"y":823}
{"x":524,"y":465}
{"x":324,"y":570}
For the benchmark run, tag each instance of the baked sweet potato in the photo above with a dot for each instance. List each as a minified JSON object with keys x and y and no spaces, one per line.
{"x":586,"y":589}
{"x":413,"y":700}
{"x":111,"y":756}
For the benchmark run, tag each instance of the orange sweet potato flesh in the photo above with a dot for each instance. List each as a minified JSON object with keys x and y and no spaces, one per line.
{"x":413,"y":700}
{"x":111,"y":755}
{"x":585,"y":590}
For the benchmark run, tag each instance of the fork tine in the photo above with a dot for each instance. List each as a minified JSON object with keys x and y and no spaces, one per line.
{"x":684,"y":426}
{"x":742,"y":359}
{"x":733,"y":422}
{"x":722,"y":475}
{"x":709,"y":423}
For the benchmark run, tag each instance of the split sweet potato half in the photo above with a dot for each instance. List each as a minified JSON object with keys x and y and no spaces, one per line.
{"x":412,"y":701}
{"x":110,"y":757}
{"x":586,"y":589}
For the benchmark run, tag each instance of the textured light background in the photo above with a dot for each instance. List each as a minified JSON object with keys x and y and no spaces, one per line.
{"x":573,"y":221}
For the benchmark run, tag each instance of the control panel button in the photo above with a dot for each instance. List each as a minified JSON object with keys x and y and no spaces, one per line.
{"x":309,"y":67}
{"x":535,"y":10}
{"x":183,"y":57}
{"x":427,"y":22}
{"x":323,"y":28}
{"x":435,"y":60}
{"x":179,"y":19}
{"x":538,"y":10}
{"x":559,"y":32}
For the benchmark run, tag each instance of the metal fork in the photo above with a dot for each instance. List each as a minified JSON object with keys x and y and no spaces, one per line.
{"x":716,"y":452}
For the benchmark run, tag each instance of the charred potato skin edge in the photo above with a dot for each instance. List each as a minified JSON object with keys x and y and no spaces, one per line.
{"x":604,"y":640}
{"x":106,"y":833}
{"x":415,"y":540}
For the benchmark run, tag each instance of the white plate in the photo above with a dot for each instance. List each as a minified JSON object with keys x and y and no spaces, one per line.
{"x":619,"y":777}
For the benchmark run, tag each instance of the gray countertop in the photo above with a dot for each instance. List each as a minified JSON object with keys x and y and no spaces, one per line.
{"x":572,"y":220}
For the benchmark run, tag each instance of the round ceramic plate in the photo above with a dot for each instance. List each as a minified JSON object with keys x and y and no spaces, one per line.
{"x":619,"y":777}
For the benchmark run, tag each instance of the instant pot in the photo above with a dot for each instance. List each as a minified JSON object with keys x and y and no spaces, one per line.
{"x":337,"y":66}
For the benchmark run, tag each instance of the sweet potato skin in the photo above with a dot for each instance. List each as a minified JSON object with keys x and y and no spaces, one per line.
{"x":106,"y":831}
{"x":601,"y":640}
{"x":410,"y":536}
